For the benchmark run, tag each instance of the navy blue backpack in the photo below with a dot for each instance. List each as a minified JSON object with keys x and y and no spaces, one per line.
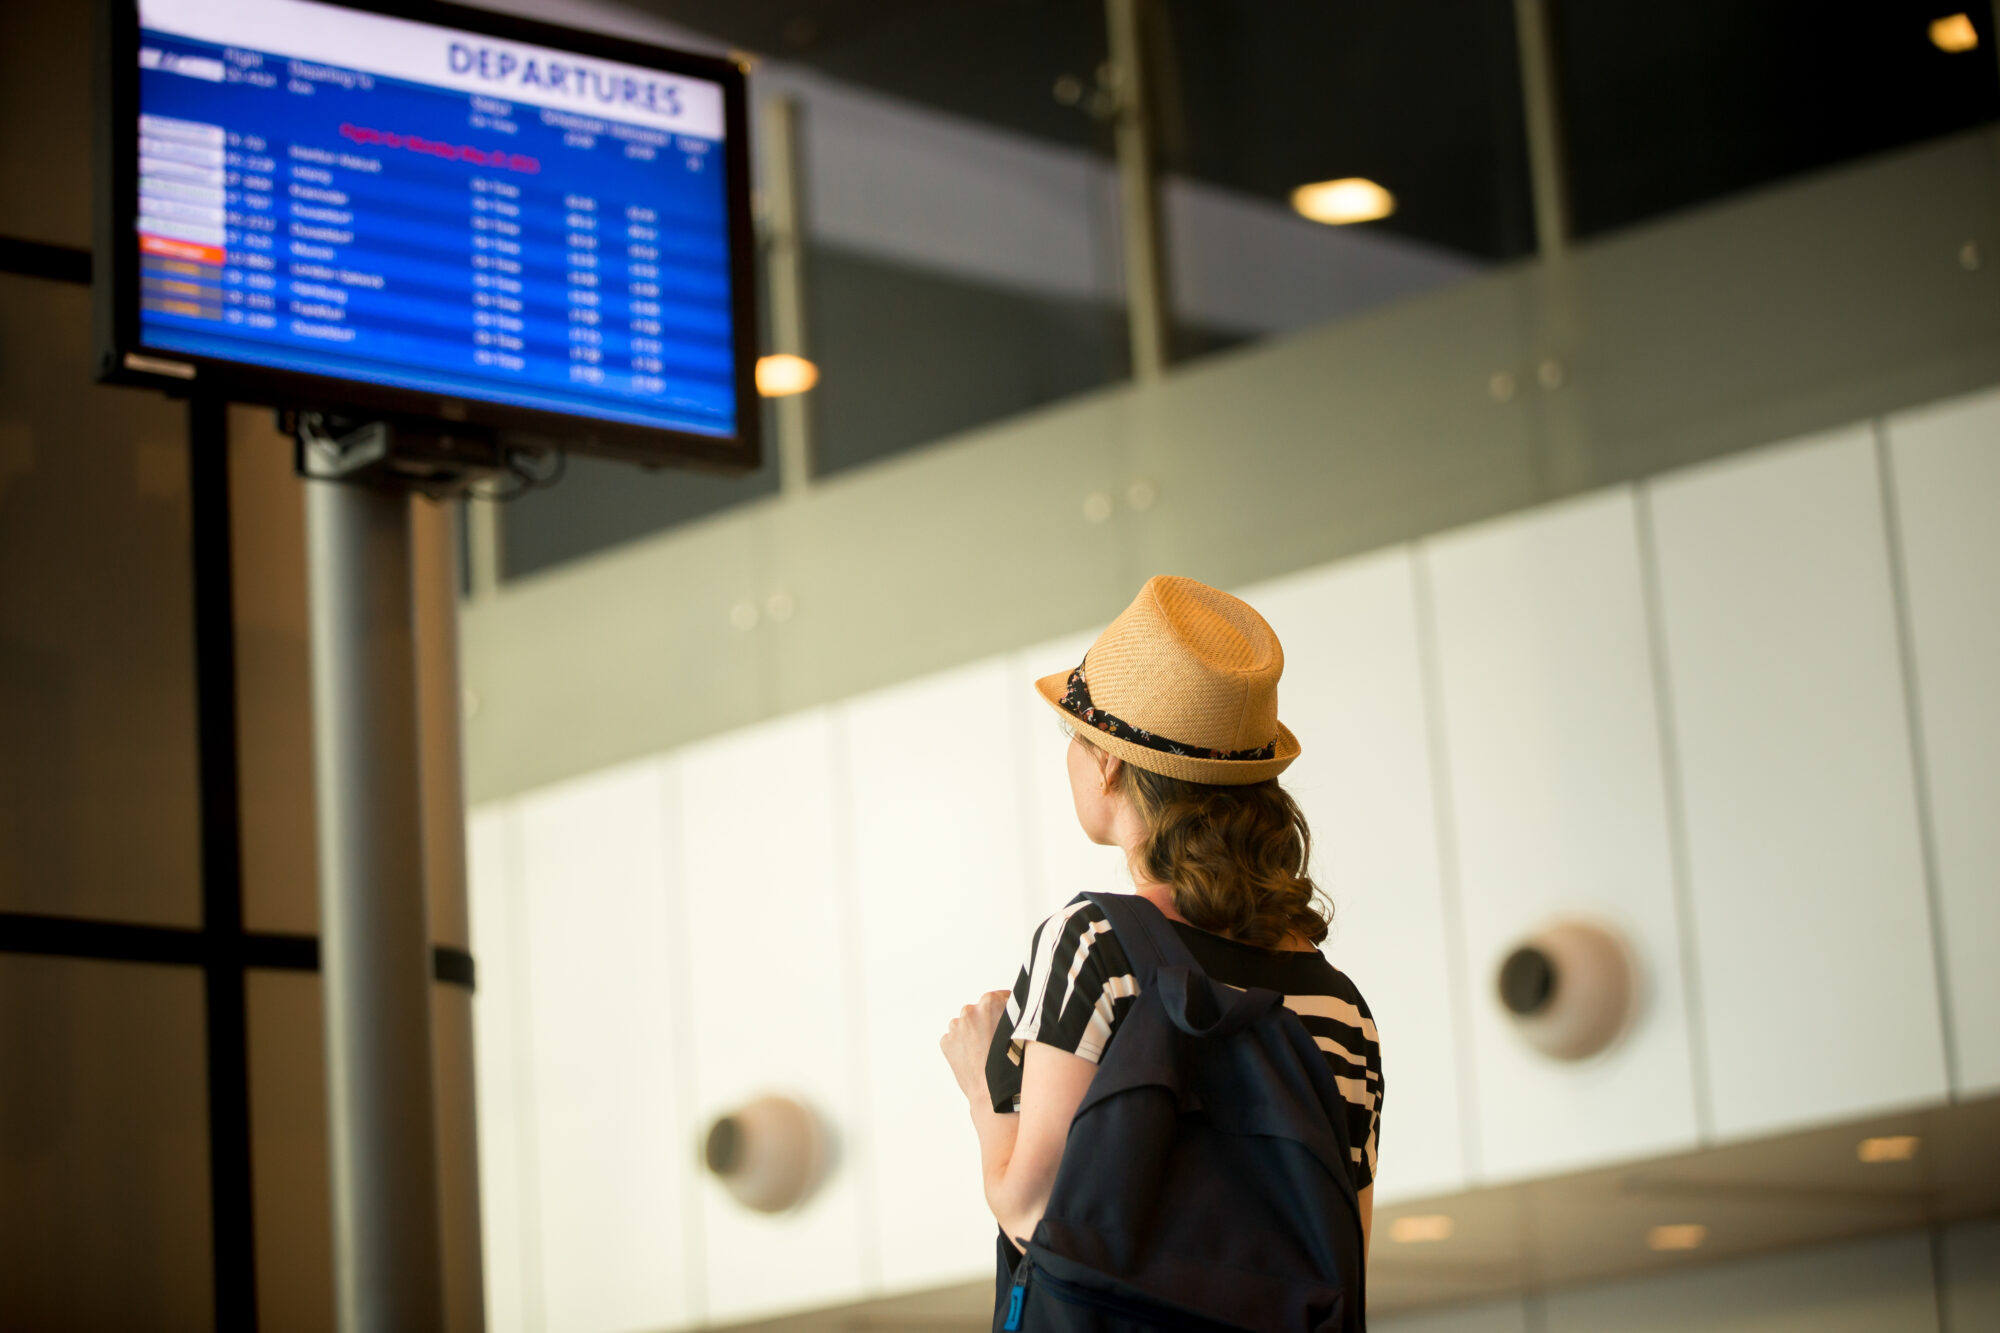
{"x":1204,"y":1184}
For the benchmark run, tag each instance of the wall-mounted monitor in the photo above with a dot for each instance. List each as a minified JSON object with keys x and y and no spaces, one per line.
{"x":429,"y":211}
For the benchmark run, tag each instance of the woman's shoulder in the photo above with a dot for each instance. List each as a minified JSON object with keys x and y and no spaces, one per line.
{"x":1336,"y":998}
{"x":1078,"y":908}
{"x":1340,"y":984}
{"x":1071,"y":920}
{"x":1077,"y":924}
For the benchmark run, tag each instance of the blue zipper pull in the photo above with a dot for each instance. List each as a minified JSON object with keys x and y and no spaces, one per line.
{"x":1015,"y":1298}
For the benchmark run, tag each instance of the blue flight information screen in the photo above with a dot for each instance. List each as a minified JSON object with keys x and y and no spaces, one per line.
{"x":347,"y":194}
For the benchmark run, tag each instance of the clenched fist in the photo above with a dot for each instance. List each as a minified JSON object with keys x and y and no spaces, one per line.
{"x":969,"y":1037}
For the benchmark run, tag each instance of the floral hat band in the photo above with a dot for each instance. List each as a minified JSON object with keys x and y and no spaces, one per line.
{"x":1076,"y":702}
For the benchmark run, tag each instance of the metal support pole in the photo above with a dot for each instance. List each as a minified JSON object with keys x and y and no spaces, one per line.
{"x":374,"y":927}
{"x":1127,"y":23}
{"x":1548,"y":173}
{"x":785,"y":278}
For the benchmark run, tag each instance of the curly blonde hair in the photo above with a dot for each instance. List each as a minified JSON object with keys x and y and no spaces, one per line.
{"x":1237,"y":858}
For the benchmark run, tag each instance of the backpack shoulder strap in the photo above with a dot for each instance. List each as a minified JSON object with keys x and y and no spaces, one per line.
{"x":1149,"y":939}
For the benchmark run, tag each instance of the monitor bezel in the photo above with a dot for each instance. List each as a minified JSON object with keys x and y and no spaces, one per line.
{"x":116,"y":257}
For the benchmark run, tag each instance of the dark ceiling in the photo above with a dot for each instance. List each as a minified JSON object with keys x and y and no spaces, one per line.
{"x":1671,"y":105}
{"x":1666,"y":105}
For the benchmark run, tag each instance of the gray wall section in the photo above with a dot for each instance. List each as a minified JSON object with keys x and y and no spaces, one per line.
{"x":1969,"y":1286}
{"x":1794,"y":309}
{"x":1872,"y":1287}
{"x":1486,"y":1317}
{"x":1913,"y":1282}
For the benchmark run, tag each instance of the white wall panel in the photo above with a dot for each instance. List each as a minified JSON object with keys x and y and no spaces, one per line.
{"x":512,"y":1262}
{"x":938,"y":876}
{"x":613,"y":1153}
{"x":774,"y":1004}
{"x":1819,"y":994}
{"x":1946,"y":466}
{"x":1061,"y":862}
{"x":1353,"y":693}
{"x":1559,"y":809}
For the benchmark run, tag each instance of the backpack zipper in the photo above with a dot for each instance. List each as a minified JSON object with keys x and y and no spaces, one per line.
{"x":1017,"y":1296}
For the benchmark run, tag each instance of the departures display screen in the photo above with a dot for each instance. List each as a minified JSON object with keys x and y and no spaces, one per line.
{"x":346,"y":194}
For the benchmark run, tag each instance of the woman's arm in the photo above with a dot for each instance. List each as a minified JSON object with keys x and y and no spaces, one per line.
{"x":1018,"y":1153}
{"x":1367,"y":1197}
{"x":1019,"y":1159}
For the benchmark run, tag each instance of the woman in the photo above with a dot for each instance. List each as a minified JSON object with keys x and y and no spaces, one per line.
{"x":1175,"y":747}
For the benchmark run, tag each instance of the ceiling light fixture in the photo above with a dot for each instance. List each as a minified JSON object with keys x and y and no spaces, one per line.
{"x":1888,"y":1148}
{"x":1338,"y":203}
{"x":1954,"y":34}
{"x":1677,"y":1236}
{"x":1420,"y":1228}
{"x":782,"y":374}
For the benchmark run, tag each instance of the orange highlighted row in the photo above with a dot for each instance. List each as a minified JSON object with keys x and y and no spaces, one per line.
{"x":178,"y":266}
{"x":172,"y":249}
{"x":192,"y":309}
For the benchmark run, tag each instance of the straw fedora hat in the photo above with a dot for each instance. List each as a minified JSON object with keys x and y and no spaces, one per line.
{"x":1184,"y":684}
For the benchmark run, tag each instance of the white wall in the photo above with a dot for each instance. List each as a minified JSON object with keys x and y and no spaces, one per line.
{"x":1546,"y":703}
{"x":772,"y":1008}
{"x":1685,"y":709}
{"x":940,"y":896}
{"x":612,"y":1155}
{"x":1790,"y":718}
{"x":1944,"y":468}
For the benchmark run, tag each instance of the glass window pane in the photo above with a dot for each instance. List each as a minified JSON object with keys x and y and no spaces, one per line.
{"x":45,"y":88}
{"x":1417,"y":109}
{"x":960,"y":239}
{"x":294,"y":1204}
{"x":1666,"y":106}
{"x":104,"y":1203}
{"x":97,"y":713}
{"x":959,"y":209}
{"x":274,"y":744}
{"x":909,"y":355}
{"x":458,"y":1160}
{"x":600,"y":504}
{"x":990,"y":61}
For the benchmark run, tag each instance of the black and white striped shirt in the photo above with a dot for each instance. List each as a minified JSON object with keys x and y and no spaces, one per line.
{"x":1077,"y":985}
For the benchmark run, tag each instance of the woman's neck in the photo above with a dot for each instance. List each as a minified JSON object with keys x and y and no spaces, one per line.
{"x":1160,"y":896}
{"x":1132,"y":839}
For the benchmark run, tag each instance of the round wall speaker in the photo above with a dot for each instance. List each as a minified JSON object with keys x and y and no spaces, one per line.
{"x":1571,"y":989}
{"x":770,"y":1154}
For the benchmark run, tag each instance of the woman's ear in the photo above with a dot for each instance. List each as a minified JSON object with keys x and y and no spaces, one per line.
{"x":1108,"y":768}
